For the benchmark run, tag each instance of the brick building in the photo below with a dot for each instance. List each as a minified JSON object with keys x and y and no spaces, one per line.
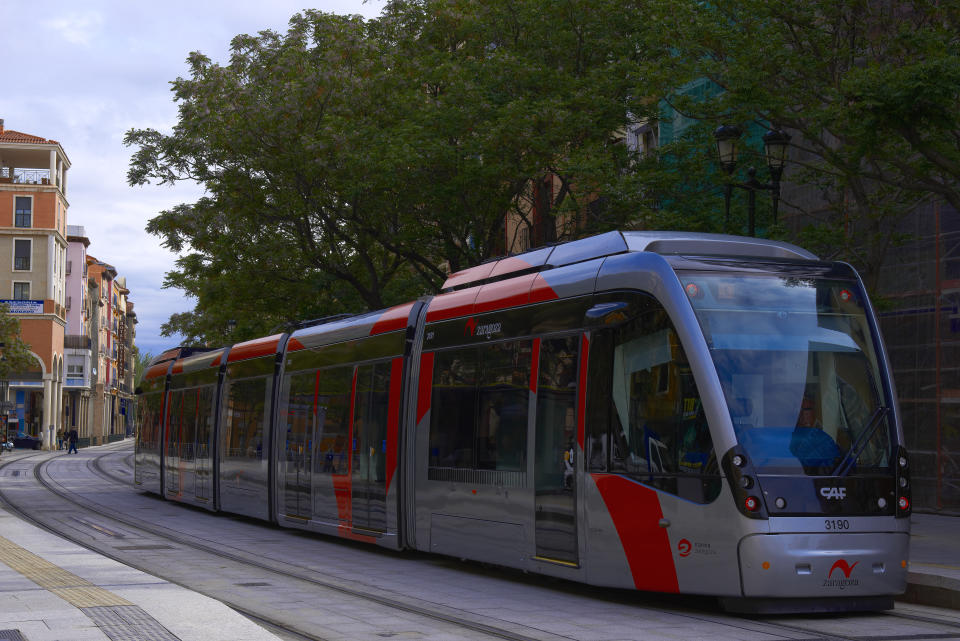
{"x":33,"y":249}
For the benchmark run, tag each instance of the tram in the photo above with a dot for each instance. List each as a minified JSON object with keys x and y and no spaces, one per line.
{"x":661,"y":411}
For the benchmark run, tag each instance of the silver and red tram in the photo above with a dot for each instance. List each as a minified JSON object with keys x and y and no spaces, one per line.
{"x":671,"y":412}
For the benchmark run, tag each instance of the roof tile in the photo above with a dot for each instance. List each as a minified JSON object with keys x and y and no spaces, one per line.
{"x":9,"y":135}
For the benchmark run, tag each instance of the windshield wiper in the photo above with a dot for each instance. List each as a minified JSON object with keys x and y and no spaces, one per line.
{"x":858,"y":446}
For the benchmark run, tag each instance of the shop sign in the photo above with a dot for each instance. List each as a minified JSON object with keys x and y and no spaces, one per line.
{"x":24,"y":306}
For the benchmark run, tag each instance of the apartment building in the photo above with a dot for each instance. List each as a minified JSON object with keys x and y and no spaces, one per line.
{"x":33,"y":251}
{"x":103,"y":409}
{"x":78,"y":352}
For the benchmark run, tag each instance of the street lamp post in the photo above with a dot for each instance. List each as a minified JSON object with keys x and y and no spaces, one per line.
{"x":775,"y":144}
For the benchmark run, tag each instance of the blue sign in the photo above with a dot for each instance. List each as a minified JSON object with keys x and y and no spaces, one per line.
{"x":24,"y":306}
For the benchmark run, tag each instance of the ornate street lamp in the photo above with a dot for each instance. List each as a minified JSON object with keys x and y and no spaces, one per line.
{"x":776,"y":143}
{"x":727,"y":137}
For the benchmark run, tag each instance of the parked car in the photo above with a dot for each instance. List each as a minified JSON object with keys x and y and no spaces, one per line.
{"x":27,"y":441}
{"x":6,"y":445}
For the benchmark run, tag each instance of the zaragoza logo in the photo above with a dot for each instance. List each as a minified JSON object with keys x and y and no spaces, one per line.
{"x":487,"y":330}
{"x":846,"y":581}
{"x":844,"y":567}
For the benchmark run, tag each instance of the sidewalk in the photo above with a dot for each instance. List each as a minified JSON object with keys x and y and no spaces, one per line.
{"x":54,"y":590}
{"x":934,"y":575}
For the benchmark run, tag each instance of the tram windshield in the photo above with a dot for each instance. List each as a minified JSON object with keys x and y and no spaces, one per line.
{"x":796,"y":360}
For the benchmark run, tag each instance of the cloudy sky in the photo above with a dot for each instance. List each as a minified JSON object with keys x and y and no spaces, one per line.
{"x":83,"y":73}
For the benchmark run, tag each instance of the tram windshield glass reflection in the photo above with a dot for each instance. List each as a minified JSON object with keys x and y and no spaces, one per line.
{"x":796,"y":360}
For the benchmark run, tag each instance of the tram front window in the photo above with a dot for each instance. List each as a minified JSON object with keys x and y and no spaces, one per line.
{"x":796,"y":360}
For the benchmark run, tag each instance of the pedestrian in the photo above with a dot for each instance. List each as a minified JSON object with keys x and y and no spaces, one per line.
{"x":60,"y":435}
{"x":73,"y":436}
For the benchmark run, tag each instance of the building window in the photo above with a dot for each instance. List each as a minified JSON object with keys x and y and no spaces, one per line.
{"x":75,"y":371}
{"x":23,"y":207}
{"x":21,"y":291}
{"x":21,"y":254}
{"x":523,"y":233}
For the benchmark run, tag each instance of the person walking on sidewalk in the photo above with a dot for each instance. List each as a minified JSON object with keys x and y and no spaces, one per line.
{"x":73,"y":437}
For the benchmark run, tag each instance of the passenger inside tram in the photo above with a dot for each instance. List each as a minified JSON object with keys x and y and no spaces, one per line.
{"x":815,"y":449}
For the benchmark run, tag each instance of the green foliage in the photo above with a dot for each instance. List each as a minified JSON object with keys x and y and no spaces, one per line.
{"x":16,"y":354}
{"x":347,"y":162}
{"x":869,"y":90}
{"x":140,"y":362}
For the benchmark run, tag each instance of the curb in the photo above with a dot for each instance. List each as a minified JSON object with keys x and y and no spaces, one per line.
{"x":925,"y":588}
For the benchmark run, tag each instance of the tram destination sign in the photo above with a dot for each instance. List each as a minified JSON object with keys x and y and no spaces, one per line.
{"x":24,"y":306}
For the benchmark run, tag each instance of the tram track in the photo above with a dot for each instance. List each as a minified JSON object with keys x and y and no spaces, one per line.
{"x":210,"y":549}
{"x":460,"y":619}
{"x":97,"y":466}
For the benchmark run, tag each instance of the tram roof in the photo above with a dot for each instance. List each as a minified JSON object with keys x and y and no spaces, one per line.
{"x":616,"y":242}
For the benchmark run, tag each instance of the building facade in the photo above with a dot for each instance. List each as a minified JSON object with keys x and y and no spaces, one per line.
{"x":78,"y":353}
{"x":33,"y":257}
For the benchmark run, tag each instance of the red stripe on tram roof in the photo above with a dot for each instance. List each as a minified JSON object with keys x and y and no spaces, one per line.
{"x":254,"y":349}
{"x":392,"y":319}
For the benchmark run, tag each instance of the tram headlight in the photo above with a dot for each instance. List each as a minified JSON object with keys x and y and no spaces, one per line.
{"x":903,"y":483}
{"x":746,"y":482}
{"x":881,"y":502}
{"x":739,"y":460}
{"x":780,"y":502}
{"x":751,"y":503}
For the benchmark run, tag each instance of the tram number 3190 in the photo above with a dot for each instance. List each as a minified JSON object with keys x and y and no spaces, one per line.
{"x":836,"y":524}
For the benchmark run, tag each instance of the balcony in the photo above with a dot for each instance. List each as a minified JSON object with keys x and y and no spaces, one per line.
{"x":76,"y":341}
{"x":25,"y":176}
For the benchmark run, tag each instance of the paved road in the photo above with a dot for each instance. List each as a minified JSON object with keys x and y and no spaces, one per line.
{"x":344,"y":590}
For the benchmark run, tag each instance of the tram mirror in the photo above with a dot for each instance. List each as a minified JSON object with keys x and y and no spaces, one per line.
{"x":612,"y":313}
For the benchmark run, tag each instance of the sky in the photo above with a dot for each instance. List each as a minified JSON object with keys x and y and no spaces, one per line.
{"x":84,"y":73}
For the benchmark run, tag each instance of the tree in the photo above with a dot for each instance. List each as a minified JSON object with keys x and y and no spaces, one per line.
{"x":870,"y":91}
{"x":16,"y":356}
{"x":140,"y":362}
{"x":346,"y":161}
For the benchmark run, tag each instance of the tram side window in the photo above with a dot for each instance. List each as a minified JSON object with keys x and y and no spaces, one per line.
{"x":557,"y":415}
{"x":480,"y":407}
{"x":204,"y":420}
{"x":149,"y":427}
{"x":175,"y":423}
{"x":190,"y":414}
{"x":333,"y":419}
{"x":302,"y":391}
{"x":454,"y":408}
{"x":245,"y":413}
{"x":659,"y":431}
{"x":504,"y":404}
{"x":370,"y":421}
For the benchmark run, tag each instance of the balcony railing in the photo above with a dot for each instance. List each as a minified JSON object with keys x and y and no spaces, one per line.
{"x":25,"y":176}
{"x":76,"y":341}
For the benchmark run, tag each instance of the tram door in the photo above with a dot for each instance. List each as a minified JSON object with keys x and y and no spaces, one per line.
{"x":188,"y":439}
{"x":203,"y":463}
{"x":368,"y":500}
{"x":555,"y":464}
{"x":297,"y":448}
{"x":174,"y":443}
